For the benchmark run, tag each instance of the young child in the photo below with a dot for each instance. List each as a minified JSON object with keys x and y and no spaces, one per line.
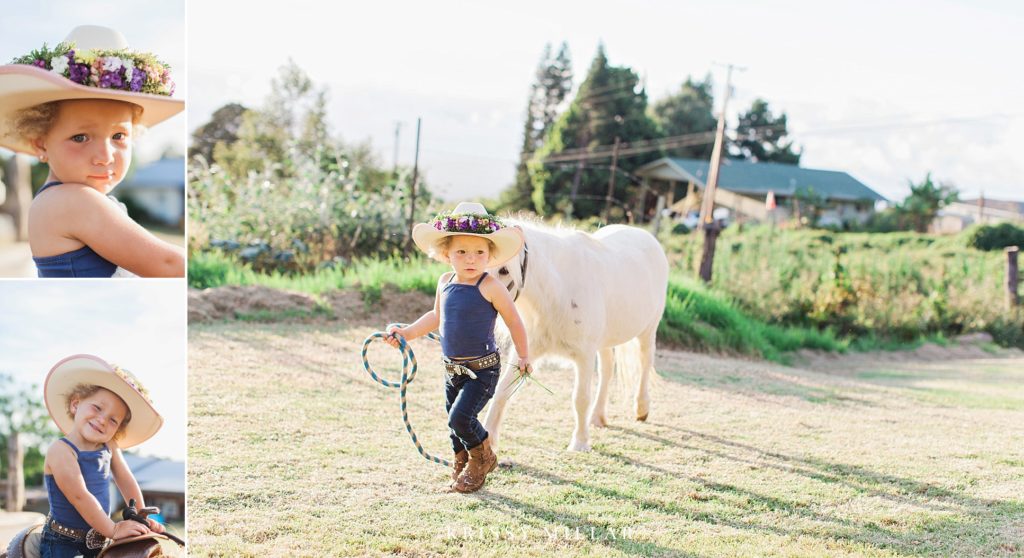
{"x":466,"y":305}
{"x":78,"y":108}
{"x":101,"y":409}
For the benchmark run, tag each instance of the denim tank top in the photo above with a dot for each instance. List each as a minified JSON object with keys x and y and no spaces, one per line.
{"x":95,"y":467}
{"x":83,"y":262}
{"x":467,"y":321}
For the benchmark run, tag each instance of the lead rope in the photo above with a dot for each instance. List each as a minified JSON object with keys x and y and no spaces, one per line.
{"x":408,"y":375}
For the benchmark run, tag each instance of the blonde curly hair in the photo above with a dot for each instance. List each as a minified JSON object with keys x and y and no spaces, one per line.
{"x":36,"y":121}
{"x":443,"y":244}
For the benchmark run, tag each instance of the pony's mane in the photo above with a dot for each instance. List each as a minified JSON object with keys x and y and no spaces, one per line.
{"x":531,"y":221}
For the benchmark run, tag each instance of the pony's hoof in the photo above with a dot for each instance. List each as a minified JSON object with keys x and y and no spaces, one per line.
{"x":643,"y":407}
{"x":599,"y":421}
{"x":577,"y":445}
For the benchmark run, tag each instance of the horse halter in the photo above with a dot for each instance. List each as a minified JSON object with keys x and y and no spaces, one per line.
{"x":522,"y":271}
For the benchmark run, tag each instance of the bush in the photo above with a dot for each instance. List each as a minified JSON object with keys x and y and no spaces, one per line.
{"x":995,"y":237}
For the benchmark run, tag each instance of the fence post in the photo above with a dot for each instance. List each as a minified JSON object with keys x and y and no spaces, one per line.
{"x":1012,"y":297}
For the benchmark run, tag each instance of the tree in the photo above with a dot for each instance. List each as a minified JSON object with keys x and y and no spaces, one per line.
{"x":607,"y":105}
{"x":221,"y":129}
{"x":292,"y":121}
{"x":761,"y":137}
{"x":21,"y":413}
{"x":925,"y":201}
{"x":547,"y":95}
{"x":689,"y":111}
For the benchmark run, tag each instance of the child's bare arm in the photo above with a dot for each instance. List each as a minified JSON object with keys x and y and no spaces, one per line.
{"x":126,"y":483}
{"x":426,"y":323}
{"x":499,"y":297}
{"x":112,"y":234}
{"x":63,"y":464}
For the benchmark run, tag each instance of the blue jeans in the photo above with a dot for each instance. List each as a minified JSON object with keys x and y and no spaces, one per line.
{"x":464,"y":399}
{"x":55,"y":545}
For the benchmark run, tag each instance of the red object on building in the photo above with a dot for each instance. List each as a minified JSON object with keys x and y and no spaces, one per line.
{"x":769,"y":202}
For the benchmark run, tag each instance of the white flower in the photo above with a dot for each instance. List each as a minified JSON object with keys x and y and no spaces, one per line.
{"x":112,"y":64}
{"x":59,"y":64}
{"x":129,"y":68}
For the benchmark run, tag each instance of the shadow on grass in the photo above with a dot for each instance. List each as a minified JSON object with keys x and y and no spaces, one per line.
{"x":597,"y":531}
{"x":862,"y":480}
{"x":774,"y":385}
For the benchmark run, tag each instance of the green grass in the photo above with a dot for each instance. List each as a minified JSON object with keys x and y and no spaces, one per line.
{"x":696,"y":317}
{"x":212,"y":269}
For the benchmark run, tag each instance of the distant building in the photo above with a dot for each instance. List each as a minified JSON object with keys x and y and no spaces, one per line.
{"x":159,"y":189}
{"x":162,"y":482}
{"x":743,"y":188}
{"x":957,"y":216}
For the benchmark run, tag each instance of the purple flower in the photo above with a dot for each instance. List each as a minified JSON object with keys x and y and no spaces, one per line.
{"x":40,"y":63}
{"x":138,"y":80}
{"x":495,"y":226}
{"x":111,"y":80}
{"x":473,"y":223}
{"x":450,"y":224}
{"x":437,"y":225}
{"x":79,"y":73}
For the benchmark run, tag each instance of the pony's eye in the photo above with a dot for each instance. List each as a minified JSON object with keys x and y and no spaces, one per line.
{"x":503,"y":271}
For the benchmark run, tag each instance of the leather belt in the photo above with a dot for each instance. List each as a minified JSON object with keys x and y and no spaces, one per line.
{"x":91,"y":537}
{"x":457,"y":367}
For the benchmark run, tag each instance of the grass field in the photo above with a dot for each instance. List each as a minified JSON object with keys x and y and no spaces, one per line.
{"x":294,"y":451}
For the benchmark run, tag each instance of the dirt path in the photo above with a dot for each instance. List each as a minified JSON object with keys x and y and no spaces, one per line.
{"x":849,"y":456}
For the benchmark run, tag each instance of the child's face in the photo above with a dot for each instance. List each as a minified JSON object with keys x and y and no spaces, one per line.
{"x":98,"y":416}
{"x":90,"y":143}
{"x":469,"y":255}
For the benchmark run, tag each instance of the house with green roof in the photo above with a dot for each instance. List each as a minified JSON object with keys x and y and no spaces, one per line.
{"x":744,"y":187}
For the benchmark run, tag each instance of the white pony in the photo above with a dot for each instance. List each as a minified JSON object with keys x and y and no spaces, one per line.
{"x":581,"y":296}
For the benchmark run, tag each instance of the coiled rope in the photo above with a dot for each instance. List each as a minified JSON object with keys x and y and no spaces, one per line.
{"x":409,"y":368}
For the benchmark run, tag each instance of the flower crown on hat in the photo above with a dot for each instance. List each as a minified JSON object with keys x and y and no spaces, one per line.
{"x":124,"y":70}
{"x":132,"y":381}
{"x":467,"y":223}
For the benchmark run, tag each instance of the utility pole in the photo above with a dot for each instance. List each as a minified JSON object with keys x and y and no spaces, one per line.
{"x":394,"y":166}
{"x":707,"y":208}
{"x":611,"y":182}
{"x":412,"y":197}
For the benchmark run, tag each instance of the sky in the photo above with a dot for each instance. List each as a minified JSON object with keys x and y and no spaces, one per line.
{"x":139,"y":325}
{"x":148,"y":25}
{"x":886,"y":91}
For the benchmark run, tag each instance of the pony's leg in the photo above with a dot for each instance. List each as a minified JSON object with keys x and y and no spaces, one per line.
{"x":502,"y":393}
{"x":581,"y":399}
{"x":606,"y":363}
{"x":643,"y":396}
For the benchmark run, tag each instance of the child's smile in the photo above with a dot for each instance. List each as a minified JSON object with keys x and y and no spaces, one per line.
{"x":98,"y":417}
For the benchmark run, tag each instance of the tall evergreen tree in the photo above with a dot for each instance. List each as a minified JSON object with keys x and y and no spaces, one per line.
{"x":689,"y":111}
{"x":547,"y":95}
{"x":607,"y":105}
{"x":761,"y":136}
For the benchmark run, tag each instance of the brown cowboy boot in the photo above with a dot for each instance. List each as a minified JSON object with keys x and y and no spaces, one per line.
{"x":459,"y":464}
{"x":481,"y":461}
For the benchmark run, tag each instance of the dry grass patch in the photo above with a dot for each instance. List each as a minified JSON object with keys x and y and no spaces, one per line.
{"x":294,"y":451}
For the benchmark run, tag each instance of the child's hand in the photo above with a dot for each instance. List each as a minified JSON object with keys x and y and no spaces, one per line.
{"x":154,"y":526}
{"x":394,"y":332}
{"x":524,"y":365}
{"x":128,"y":528}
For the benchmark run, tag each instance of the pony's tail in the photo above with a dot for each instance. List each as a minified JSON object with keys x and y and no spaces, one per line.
{"x":627,"y":369}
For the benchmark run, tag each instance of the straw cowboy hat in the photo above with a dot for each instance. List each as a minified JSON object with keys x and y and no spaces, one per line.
{"x":102,"y":67}
{"x":470,"y":219}
{"x":93,"y":370}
